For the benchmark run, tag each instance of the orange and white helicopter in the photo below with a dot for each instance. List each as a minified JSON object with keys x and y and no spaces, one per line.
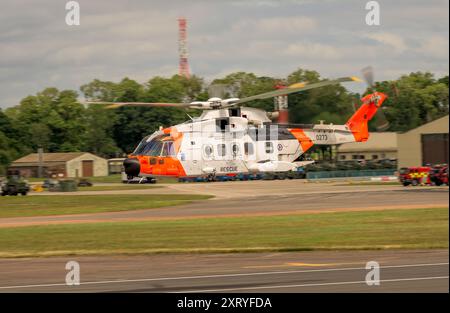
{"x":229,"y":139}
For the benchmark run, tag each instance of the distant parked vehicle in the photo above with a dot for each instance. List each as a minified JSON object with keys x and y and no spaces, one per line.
{"x":14,"y":185}
{"x":414,"y":175}
{"x":83,"y":182}
{"x":50,"y":183}
{"x":439,"y":175}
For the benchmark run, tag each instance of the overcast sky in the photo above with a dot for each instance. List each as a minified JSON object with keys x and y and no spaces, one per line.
{"x":138,"y":39}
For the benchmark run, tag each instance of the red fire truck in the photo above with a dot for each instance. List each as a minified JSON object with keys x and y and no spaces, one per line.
{"x":415,"y":175}
{"x":439,"y":175}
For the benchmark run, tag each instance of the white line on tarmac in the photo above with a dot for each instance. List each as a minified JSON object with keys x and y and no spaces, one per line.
{"x":218,"y":276}
{"x":312,"y":285}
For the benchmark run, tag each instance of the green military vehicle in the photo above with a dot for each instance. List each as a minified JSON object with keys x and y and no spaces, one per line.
{"x":14,"y":185}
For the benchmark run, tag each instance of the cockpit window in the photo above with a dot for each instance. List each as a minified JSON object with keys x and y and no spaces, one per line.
{"x":159,"y":146}
{"x":153,"y":148}
{"x":141,"y":146}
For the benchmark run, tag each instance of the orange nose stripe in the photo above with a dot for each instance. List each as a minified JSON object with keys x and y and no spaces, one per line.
{"x":161,"y":166}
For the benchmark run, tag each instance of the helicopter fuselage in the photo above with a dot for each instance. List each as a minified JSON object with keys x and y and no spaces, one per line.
{"x":238,"y":140}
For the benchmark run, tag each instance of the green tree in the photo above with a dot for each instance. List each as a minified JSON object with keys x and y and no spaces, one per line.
{"x":51,"y":119}
{"x":98,"y":138}
{"x":301,"y":75}
{"x":131,"y":124}
{"x":413,"y":100}
{"x":40,"y":136}
{"x":11,"y":147}
{"x":242,"y":84}
{"x":98,"y":90}
{"x":332,"y":104}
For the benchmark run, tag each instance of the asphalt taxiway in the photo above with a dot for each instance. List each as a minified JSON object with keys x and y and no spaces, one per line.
{"x":331,"y":271}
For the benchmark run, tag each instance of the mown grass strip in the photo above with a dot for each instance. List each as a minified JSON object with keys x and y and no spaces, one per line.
{"x":72,"y":204}
{"x":390,"y":229}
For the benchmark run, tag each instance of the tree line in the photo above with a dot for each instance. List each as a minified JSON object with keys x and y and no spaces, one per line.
{"x":56,"y":121}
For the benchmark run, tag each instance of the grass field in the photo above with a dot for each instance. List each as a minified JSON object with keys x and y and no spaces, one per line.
{"x":408,"y":229}
{"x":71,"y":204}
{"x":115,"y":178}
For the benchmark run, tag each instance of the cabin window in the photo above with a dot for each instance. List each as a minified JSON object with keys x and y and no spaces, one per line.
{"x":208,"y":150}
{"x":168,"y":149}
{"x":235,"y":149}
{"x":235,"y":111}
{"x":221,"y":124}
{"x":248,"y":148}
{"x":269,"y":147}
{"x":221,"y":150}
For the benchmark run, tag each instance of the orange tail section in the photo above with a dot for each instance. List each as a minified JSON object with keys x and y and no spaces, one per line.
{"x":358,"y":123}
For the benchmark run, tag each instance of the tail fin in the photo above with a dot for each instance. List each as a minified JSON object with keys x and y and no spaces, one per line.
{"x":358,"y":122}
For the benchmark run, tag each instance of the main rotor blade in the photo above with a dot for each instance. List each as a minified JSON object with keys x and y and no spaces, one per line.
{"x":368,"y":75}
{"x":382,"y":122}
{"x":217,"y":90}
{"x":296,"y":88}
{"x":114,"y":105}
{"x":298,"y":85}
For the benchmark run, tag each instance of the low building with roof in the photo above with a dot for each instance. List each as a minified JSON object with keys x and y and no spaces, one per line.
{"x":379,"y":146}
{"x":61,"y":164}
{"x":115,"y":165}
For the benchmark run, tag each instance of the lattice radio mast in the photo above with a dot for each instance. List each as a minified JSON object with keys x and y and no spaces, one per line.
{"x":182,"y":48}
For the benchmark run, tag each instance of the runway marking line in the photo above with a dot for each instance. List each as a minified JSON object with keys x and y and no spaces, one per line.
{"x":314,"y":285}
{"x":218,"y":276}
{"x":313,"y":264}
{"x":299,"y":264}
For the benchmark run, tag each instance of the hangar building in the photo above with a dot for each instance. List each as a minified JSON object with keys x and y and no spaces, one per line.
{"x":426,"y":144}
{"x":58,"y":165}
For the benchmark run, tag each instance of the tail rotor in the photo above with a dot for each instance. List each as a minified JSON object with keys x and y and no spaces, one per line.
{"x":382,"y":123}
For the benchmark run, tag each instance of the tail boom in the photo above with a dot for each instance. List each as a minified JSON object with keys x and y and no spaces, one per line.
{"x":355,"y":130}
{"x":358,"y":123}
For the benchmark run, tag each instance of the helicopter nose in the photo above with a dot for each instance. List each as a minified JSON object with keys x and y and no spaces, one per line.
{"x":132,"y":167}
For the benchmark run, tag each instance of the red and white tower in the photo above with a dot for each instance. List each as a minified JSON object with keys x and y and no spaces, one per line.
{"x":281,"y":105}
{"x":182,"y":47}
